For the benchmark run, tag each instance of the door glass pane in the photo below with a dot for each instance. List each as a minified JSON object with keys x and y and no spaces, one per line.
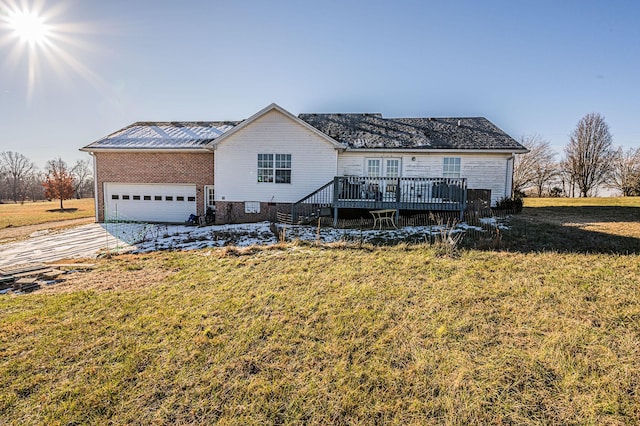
{"x":393,"y":168}
{"x":373,"y":167}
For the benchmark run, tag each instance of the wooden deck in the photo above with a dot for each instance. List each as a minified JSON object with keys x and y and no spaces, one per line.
{"x":381,"y":193}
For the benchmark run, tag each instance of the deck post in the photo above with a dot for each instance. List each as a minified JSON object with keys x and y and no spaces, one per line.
{"x":398,"y":199}
{"x":335,"y":200}
{"x":463,"y":203}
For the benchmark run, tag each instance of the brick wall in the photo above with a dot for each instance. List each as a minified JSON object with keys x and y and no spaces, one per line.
{"x":154,"y":167}
{"x":233,"y":212}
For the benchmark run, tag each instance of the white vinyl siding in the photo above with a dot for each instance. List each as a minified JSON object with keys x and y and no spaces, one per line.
{"x":488,"y":172}
{"x":312,"y":161}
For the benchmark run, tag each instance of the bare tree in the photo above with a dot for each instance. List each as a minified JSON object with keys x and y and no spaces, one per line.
{"x":625,"y":171}
{"x":33,"y":186}
{"x":589,"y":153}
{"x":567,"y":180}
{"x":3,"y":183}
{"x":81,"y":172}
{"x":536,"y":168}
{"x":16,"y":170}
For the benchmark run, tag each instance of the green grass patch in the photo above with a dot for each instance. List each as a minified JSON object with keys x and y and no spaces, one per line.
{"x":329,"y":335}
{"x":33,"y":213}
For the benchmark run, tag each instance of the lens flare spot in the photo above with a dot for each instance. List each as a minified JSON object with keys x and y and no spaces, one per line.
{"x":29,"y":27}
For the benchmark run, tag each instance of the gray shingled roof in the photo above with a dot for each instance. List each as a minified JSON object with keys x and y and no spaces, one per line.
{"x":372,"y":131}
{"x":164,"y":135}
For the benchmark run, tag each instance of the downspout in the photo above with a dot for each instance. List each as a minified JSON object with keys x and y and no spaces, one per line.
{"x":509,"y":177}
{"x":95,"y":185}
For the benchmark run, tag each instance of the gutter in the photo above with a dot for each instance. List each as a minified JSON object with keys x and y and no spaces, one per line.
{"x":188,"y":150}
{"x":447,"y":151}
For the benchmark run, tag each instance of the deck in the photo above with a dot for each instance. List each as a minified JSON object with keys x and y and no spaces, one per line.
{"x":381,"y":193}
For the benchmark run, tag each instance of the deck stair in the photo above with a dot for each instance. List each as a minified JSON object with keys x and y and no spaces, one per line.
{"x":308,"y":209}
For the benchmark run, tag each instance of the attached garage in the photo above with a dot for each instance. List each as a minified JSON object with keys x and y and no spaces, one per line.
{"x":155,"y":171}
{"x":145,"y":202}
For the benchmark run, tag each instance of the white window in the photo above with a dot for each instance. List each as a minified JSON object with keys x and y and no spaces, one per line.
{"x":451,"y":167}
{"x":376,"y":167}
{"x":274,"y":168}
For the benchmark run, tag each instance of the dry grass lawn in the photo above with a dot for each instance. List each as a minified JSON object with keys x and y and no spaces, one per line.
{"x":33,"y":213}
{"x":546,"y":331}
{"x":584,"y":224}
{"x":328,"y":335}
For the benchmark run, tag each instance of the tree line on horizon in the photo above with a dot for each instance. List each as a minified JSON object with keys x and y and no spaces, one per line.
{"x":21,"y":180}
{"x":590,"y":163}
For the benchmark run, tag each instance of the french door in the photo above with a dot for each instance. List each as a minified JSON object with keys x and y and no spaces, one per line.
{"x":388,"y":168}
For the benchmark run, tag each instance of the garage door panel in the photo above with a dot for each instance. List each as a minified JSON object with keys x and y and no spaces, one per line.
{"x":149,"y":202}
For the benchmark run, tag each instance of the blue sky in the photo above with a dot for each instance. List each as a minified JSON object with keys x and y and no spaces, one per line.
{"x":528,"y":66}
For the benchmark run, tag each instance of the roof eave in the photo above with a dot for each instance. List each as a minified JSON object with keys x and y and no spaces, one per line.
{"x":191,"y":149}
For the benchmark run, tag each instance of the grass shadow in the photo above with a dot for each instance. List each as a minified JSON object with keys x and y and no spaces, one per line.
{"x":529,"y":233}
{"x":65,"y":210}
{"x":585,"y":213}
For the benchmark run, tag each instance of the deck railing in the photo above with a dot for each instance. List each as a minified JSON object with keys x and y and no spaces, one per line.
{"x":407,"y":193}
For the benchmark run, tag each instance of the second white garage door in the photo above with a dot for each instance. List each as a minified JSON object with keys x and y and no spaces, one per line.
{"x":149,"y":202}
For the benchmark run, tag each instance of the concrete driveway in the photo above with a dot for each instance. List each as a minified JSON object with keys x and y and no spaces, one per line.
{"x":49,"y":246}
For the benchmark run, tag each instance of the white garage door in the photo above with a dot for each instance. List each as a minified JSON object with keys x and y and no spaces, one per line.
{"x":149,"y":202}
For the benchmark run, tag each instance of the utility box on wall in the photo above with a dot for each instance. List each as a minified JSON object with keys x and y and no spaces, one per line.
{"x":252,"y":206}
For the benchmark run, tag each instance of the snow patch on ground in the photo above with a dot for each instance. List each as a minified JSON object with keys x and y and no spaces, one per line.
{"x":94,"y":239}
{"x":149,"y":237}
{"x":493,"y":223}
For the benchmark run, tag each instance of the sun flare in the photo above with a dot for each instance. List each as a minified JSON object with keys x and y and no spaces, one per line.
{"x":29,"y":27}
{"x":34,"y":37}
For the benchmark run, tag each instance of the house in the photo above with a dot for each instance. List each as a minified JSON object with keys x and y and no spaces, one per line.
{"x":273,"y":162}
